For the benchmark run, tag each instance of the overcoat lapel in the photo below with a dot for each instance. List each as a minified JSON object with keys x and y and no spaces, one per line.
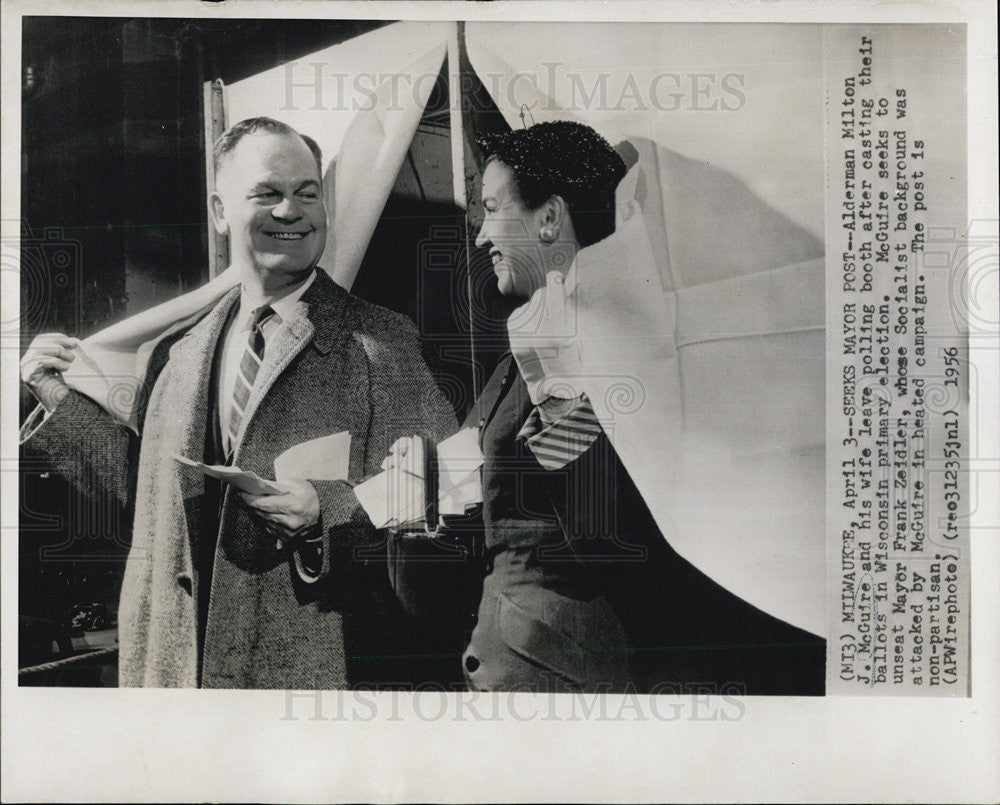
{"x":157,"y":619}
{"x":193,"y":357}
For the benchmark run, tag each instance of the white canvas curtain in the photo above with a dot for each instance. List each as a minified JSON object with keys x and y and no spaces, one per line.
{"x":721,"y":211}
{"x":713,"y":391}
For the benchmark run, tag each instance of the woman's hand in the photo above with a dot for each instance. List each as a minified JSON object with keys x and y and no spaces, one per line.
{"x":405,"y":482}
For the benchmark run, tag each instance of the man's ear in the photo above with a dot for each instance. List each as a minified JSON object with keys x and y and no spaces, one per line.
{"x":216,"y":209}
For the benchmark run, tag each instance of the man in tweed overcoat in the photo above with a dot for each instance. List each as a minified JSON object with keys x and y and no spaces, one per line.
{"x":224,"y":589}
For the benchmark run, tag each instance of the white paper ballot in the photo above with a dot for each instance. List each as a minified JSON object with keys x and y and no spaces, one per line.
{"x":397,"y":496}
{"x":324,"y":459}
{"x":459,"y":460}
{"x":248,"y":482}
{"x":462,"y":496}
{"x":392,"y":498}
{"x":458,"y":456}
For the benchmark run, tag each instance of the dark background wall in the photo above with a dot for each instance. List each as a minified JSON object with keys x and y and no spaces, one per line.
{"x":113,"y":153}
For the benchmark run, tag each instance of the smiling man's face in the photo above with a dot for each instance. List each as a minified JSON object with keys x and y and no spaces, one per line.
{"x":269,"y":200}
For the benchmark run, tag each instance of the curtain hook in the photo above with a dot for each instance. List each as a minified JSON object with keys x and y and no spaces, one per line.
{"x":524,"y":107}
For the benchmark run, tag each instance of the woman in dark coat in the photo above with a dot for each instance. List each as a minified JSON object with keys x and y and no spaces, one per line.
{"x":582,"y":591}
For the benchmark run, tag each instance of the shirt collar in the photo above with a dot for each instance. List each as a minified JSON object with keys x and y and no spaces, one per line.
{"x":284,"y":307}
{"x":537,"y":316}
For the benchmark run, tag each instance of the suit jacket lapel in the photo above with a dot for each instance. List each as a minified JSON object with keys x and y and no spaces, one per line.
{"x":504,"y":381}
{"x":288,"y":341}
{"x":318,"y":318}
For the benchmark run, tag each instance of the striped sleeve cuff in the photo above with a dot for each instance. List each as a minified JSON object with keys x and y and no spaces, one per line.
{"x":556,"y":443}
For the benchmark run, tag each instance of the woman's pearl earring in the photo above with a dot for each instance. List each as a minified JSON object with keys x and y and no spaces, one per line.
{"x":547,"y":234}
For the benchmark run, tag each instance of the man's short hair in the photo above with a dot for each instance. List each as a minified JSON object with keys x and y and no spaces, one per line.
{"x":230,"y":138}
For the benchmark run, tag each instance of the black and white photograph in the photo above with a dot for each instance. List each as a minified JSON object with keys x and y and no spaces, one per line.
{"x":393,"y":387}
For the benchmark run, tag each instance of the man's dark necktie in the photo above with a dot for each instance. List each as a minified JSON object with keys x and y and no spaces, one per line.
{"x":247,"y":374}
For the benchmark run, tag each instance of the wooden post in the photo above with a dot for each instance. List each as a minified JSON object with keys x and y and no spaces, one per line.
{"x":461,"y":181}
{"x":215,"y":124}
{"x":474,"y":112}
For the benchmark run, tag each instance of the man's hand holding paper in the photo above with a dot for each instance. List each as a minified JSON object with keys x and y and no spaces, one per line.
{"x":458,"y":460}
{"x":287,"y":516}
{"x":289,"y":506}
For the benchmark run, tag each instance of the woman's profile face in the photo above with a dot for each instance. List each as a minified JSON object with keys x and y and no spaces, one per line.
{"x":512,"y":230}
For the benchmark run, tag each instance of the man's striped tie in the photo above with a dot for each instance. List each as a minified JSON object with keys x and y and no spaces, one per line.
{"x":247,"y":373}
{"x":557,"y":444}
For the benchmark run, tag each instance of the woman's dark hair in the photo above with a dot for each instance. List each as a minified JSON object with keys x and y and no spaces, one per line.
{"x":566,"y":159}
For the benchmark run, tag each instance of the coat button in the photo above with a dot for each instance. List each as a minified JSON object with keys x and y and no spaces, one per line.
{"x":472,"y":664}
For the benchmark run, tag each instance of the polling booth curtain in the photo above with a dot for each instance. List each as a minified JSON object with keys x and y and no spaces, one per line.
{"x":712,"y":389}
